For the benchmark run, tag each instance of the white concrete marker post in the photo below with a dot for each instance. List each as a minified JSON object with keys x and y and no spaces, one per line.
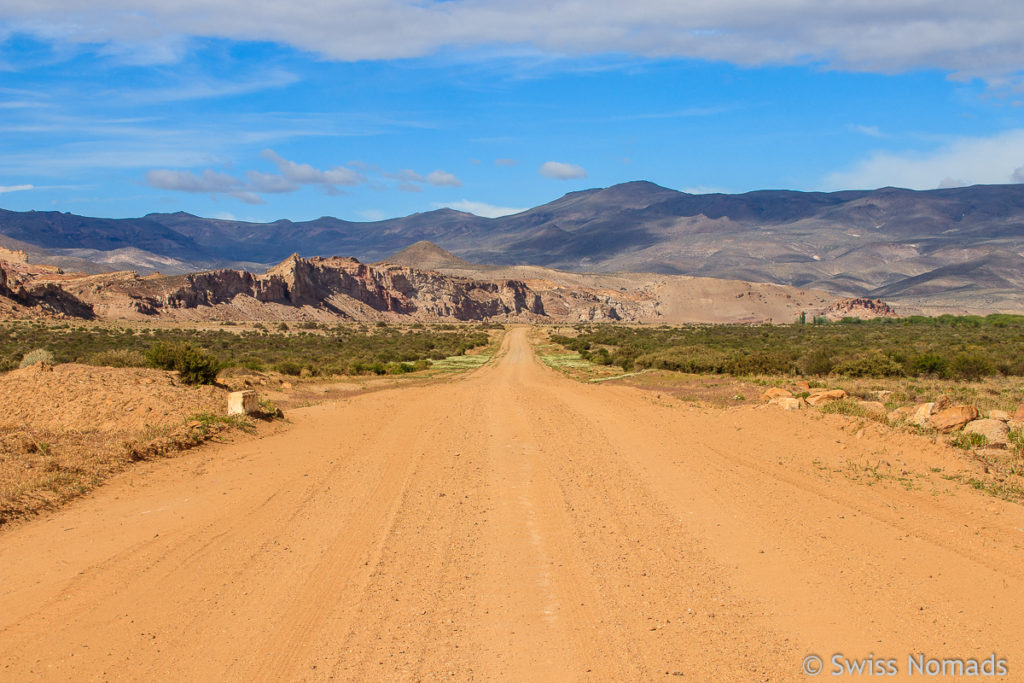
{"x":243,"y":402}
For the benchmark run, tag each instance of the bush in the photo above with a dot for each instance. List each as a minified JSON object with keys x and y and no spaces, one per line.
{"x":970,"y":366}
{"x":36,"y":356}
{"x":161,"y":356}
{"x":817,"y":362}
{"x":194,"y":366}
{"x":870,"y":365}
{"x":289,"y":367}
{"x":930,"y":364}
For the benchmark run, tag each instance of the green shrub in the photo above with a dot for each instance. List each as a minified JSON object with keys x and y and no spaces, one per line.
{"x":817,"y":362}
{"x":36,"y":356}
{"x":870,"y":365}
{"x":929,"y":364}
{"x":289,"y":367}
{"x":970,"y":366}
{"x":161,"y":356}
{"x":194,"y":366}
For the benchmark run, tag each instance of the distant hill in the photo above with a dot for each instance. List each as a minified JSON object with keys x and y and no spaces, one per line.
{"x":951,"y":249}
{"x":426,"y":255}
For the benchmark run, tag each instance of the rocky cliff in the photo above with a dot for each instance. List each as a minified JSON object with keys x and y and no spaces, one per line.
{"x":325,"y":288}
{"x":344,"y":289}
{"x":23,"y":295}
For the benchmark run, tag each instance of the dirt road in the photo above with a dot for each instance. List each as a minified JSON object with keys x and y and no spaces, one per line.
{"x":513,"y":525}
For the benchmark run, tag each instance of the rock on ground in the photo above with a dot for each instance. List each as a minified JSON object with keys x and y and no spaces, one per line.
{"x":873,"y":408}
{"x":775,"y":392}
{"x":953,"y":418}
{"x":995,"y":431}
{"x":820,"y":396}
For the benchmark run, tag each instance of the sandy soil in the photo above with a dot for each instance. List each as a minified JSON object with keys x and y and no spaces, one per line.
{"x":66,"y":428}
{"x":515,"y":525}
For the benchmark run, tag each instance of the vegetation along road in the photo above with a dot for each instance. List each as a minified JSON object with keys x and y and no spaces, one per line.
{"x":514,"y":524}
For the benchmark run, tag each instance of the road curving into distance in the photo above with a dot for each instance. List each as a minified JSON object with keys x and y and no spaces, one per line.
{"x":510,"y":524}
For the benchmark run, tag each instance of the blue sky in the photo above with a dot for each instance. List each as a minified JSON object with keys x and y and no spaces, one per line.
{"x":366,"y":110}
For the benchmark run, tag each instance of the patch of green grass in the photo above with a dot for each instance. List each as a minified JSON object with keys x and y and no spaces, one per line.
{"x":845,"y":406}
{"x":565,"y":360}
{"x":460,"y":363}
{"x":968,"y":440}
{"x":210,"y":422}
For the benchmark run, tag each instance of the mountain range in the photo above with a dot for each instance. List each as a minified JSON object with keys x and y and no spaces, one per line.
{"x":954,"y":249}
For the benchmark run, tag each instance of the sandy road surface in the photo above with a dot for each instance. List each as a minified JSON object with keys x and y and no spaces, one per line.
{"x":511,"y":525}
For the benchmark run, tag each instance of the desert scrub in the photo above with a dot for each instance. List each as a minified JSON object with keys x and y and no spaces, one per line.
{"x":36,"y":356}
{"x":963,"y":348}
{"x":326,"y":350}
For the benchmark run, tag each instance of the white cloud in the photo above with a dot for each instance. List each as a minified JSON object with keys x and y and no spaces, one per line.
{"x":962,"y":161}
{"x":562,"y":171}
{"x":292,"y":177}
{"x":870,"y":131}
{"x":270,"y":183}
{"x":1018,"y":175}
{"x":186,"y":181}
{"x":304,"y":174}
{"x":15,"y":188}
{"x":406,"y":174}
{"x":210,"y":182}
{"x":373,"y":214}
{"x":443,"y":179}
{"x":480,"y":208}
{"x":865,"y":35}
{"x":506,"y":162}
{"x":705,"y":189}
{"x":199,"y":88}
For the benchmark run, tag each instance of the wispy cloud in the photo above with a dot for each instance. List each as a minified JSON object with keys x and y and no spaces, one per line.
{"x":291,"y":176}
{"x":479,"y":208}
{"x":209,"y":182}
{"x":201,"y":88}
{"x":561,"y":171}
{"x":15,"y":188}
{"x":960,"y":161}
{"x":443,"y":179}
{"x":900,"y":35}
{"x":305,"y":174}
{"x":870,"y":131}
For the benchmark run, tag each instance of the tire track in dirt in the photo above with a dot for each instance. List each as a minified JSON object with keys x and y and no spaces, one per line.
{"x":509,"y":524}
